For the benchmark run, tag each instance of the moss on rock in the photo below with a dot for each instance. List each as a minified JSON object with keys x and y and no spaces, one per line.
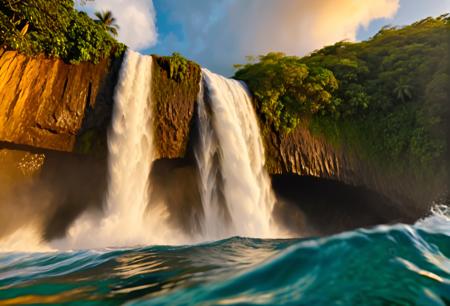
{"x":174,"y":91}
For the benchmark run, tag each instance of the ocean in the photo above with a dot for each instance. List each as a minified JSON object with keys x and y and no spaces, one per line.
{"x":386,"y":265}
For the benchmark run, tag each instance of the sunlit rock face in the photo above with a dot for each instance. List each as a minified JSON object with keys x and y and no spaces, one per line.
{"x":48,"y":103}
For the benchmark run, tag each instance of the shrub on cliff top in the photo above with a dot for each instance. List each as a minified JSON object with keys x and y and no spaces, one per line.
{"x":54,"y":28}
{"x":175,"y":65}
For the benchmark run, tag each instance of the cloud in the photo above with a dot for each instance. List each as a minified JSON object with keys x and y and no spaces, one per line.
{"x":136,"y":19}
{"x":222,"y":32}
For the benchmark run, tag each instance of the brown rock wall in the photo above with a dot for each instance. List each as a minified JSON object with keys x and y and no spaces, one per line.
{"x":43,"y":101}
{"x":303,"y":153}
{"x":174,"y":107}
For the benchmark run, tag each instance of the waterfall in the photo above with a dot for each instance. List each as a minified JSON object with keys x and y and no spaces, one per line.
{"x":131,"y":154}
{"x":236,"y":190}
{"x":130,"y":151}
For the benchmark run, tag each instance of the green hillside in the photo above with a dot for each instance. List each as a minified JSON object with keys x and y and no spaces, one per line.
{"x":386,"y":97}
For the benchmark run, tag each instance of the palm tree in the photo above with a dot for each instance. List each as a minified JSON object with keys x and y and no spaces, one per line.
{"x":107,"y":21}
{"x":403,"y":91}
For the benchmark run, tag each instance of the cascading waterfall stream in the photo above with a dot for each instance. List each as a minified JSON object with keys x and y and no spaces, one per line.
{"x":130,"y":144}
{"x":236,"y":190}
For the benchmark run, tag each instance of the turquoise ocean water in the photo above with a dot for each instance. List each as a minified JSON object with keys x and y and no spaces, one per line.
{"x":387,"y":265}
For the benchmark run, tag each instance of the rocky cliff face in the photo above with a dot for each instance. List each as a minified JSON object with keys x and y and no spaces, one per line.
{"x":54,"y":119}
{"x":48,"y":104}
{"x":300,"y":152}
{"x":174,"y":101}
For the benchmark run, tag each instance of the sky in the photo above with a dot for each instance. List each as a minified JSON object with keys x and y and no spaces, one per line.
{"x":220,"y":33}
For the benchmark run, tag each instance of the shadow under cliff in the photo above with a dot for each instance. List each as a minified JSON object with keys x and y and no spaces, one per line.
{"x":70,"y":184}
{"x":78,"y":183}
{"x":314,"y":206}
{"x":48,"y":188}
{"x":305,"y":206}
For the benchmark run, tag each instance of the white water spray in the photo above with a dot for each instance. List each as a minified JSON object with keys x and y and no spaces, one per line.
{"x":438,"y":219}
{"x":236,"y":190}
{"x":25,"y":239}
{"x":131,"y":154}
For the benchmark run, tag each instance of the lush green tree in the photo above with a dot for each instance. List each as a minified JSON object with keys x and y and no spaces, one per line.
{"x":285,"y":88}
{"x":388,"y":97}
{"x":56,"y":29}
{"x":108,"y":22}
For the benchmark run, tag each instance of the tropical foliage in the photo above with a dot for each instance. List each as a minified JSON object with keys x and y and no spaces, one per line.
{"x":107,"y":21}
{"x":176,"y":66}
{"x":388,"y":97}
{"x":56,"y":29}
{"x":286,"y":88}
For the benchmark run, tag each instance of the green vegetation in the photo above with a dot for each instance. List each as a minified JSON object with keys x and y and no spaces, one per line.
{"x":286,"y":89}
{"x":386,"y":97}
{"x":108,"y":22}
{"x":176,"y":66}
{"x":56,"y":29}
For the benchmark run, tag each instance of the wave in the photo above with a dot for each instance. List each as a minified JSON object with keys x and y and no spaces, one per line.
{"x":387,"y":265}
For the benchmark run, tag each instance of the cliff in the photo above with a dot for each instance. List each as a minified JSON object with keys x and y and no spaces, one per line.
{"x":304,"y":153}
{"x":46,"y":104}
{"x":54,"y":119}
{"x":379,"y":118}
{"x":174,"y":101}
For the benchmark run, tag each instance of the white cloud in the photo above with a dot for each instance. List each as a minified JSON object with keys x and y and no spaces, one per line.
{"x":224,"y":33}
{"x":136,"y":19}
